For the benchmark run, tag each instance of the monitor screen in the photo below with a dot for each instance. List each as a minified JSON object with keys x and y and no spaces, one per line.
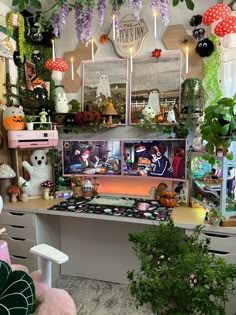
{"x":158,"y":158}
{"x":91,"y":157}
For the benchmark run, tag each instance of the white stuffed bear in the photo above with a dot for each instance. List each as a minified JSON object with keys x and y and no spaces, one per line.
{"x":148,"y":113}
{"x":197,"y":144}
{"x":39,"y":172}
{"x":62,"y":105}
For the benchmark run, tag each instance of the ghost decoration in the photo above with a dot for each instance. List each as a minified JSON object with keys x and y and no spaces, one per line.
{"x":153,"y":102}
{"x":103,"y":86}
{"x":171,"y":116}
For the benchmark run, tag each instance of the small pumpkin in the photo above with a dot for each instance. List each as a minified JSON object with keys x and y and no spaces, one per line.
{"x":13,"y":118}
{"x":167,"y":198}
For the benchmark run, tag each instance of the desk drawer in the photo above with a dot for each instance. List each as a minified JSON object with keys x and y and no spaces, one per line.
{"x":30,"y":263}
{"x":17,"y":218}
{"x":24,"y":232}
{"x":19,"y":247}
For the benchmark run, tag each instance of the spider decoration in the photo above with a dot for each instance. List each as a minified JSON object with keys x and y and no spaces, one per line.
{"x":205,"y":47}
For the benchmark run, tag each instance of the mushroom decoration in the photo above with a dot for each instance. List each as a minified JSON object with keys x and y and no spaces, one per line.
{"x":47,"y":189}
{"x":57,"y":66}
{"x":13,"y":191}
{"x":227,"y":29}
{"x":215,"y":13}
{"x":109,"y":111}
{"x":6,"y":174}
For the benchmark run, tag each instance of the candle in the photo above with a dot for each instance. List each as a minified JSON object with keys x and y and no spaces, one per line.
{"x":72,"y":68}
{"x":114,"y":26}
{"x":53,"y":50}
{"x":186,"y":58}
{"x":92,"y":49}
{"x":155,"y":24}
{"x":131,"y":60}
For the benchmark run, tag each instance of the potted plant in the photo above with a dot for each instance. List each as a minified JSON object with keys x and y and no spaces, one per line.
{"x":76,"y":186}
{"x":219,"y":127}
{"x":215,"y":217}
{"x":29,"y":119}
{"x":178,"y":275}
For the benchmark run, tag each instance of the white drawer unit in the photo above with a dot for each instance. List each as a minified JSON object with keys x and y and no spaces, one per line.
{"x":20,"y":237}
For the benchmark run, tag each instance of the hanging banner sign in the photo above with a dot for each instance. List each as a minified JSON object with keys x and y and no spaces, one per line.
{"x":130,"y":36}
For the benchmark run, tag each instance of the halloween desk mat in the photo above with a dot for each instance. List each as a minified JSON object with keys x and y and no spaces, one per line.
{"x":124,"y":207}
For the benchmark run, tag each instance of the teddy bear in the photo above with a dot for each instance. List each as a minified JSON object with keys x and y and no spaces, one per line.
{"x":39,"y":171}
{"x":198,"y":144}
{"x":62,"y":105}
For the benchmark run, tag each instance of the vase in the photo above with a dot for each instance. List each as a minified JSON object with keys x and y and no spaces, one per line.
{"x":77,"y":191}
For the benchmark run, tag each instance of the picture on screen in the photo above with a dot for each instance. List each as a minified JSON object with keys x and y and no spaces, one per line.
{"x":91,"y":157}
{"x":160,"y":158}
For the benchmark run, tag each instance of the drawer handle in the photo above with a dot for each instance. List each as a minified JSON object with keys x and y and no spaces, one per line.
{"x":17,"y":239}
{"x":17,"y":214}
{"x":216,"y":235}
{"x":17,"y":226}
{"x":21,"y":257}
{"x":218,"y":252}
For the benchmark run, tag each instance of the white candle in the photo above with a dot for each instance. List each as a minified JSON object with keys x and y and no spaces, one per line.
{"x":155,"y":25}
{"x":114,"y":27}
{"x":131,"y":60}
{"x":92,"y":49}
{"x":53,"y":50}
{"x":186,"y":58}
{"x":72,"y":68}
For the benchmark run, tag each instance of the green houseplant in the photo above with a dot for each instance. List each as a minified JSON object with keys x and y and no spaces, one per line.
{"x":219,"y":127}
{"x":178,"y":275}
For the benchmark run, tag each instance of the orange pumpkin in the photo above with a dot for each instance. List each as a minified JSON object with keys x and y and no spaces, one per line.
{"x":167,"y":198}
{"x":13,"y":118}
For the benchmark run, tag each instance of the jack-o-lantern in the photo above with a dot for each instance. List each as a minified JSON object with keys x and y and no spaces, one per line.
{"x":13,"y":118}
{"x":167,"y":198}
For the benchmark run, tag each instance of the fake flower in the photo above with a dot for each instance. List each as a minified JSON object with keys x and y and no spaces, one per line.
{"x":156,"y":53}
{"x":101,"y":11}
{"x":103,"y":39}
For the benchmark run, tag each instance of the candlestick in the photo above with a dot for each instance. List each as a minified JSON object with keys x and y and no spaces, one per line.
{"x":72,"y":68}
{"x":186,"y":58}
{"x":92,"y":48}
{"x":114,"y":26}
{"x":53,"y":50}
{"x":155,"y":25}
{"x":131,"y":60}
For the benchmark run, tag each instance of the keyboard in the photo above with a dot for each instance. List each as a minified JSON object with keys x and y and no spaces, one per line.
{"x":112,"y":201}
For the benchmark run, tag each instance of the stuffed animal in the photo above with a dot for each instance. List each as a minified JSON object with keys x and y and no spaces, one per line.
{"x":13,"y":118}
{"x":62,"y":105}
{"x":39,"y":172}
{"x":171,"y":116}
{"x":148,"y":113}
{"x":197,"y":144}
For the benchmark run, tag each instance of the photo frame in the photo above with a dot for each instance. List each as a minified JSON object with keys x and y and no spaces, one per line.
{"x":155,"y":86}
{"x":105,"y":82}
{"x":30,"y":72}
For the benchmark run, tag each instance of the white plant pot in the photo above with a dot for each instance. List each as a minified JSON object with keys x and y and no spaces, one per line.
{"x":30,"y":126}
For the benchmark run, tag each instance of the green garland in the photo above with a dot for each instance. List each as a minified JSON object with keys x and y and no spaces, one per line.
{"x":211,"y":75}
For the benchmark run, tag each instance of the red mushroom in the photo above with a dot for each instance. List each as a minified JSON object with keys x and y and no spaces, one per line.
{"x":47,"y":188}
{"x":227,"y":29}
{"x":57,"y":66}
{"x":14,"y":192}
{"x":216,"y":13}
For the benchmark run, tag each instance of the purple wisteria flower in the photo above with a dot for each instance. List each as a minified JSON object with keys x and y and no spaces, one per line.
{"x":79,"y":21}
{"x":137,"y":6}
{"x":64,"y":12}
{"x":164,"y":11}
{"x":101,"y":11}
{"x":83,"y":23}
{"x":117,"y":18}
{"x":153,"y":5}
{"x":56,"y":25}
{"x":88,"y":17}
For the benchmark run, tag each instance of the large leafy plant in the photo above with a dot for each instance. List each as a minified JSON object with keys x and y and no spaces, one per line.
{"x":178,"y":275}
{"x":219,"y":127}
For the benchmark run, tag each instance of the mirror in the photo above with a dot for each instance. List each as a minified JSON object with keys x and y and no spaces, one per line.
{"x":155,"y":83}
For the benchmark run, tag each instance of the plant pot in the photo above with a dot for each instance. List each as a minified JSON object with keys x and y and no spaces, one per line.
{"x":30,"y":126}
{"x":77,"y":191}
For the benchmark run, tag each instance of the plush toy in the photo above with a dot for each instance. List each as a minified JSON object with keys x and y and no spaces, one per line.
{"x":197,"y":144}
{"x":148,"y":113}
{"x":13,"y":118}
{"x":153,"y":101}
{"x":39,"y":172}
{"x":171,"y":116}
{"x":62,"y":103}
